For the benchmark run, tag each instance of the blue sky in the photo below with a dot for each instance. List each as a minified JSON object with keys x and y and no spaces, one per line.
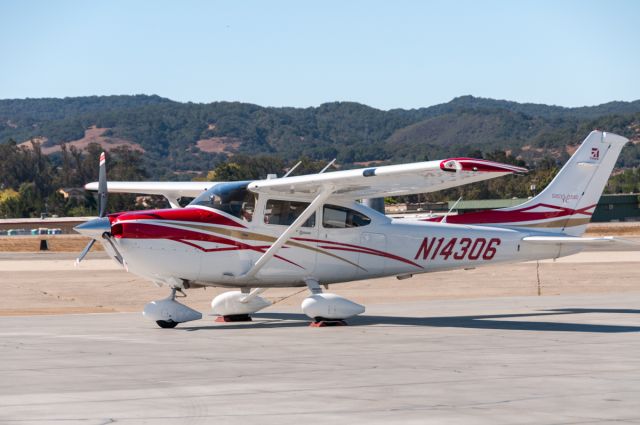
{"x":387,"y":54}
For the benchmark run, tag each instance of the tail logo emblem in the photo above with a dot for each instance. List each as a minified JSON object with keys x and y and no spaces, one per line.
{"x":565,"y":197}
{"x":595,"y":154}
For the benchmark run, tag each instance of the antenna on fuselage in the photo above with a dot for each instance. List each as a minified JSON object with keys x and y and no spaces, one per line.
{"x":292,"y":168}
{"x":444,"y":219}
{"x":327,"y":166}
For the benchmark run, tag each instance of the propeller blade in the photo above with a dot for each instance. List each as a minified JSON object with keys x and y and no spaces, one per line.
{"x":85,"y":251}
{"x":101,"y":225}
{"x":102,"y":186}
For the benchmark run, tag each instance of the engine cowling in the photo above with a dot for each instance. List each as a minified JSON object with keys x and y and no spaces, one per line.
{"x":230,"y":304}
{"x":330,"y":306}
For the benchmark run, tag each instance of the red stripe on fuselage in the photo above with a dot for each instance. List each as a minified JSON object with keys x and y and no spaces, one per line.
{"x":135,"y":230}
{"x":196,"y":215}
{"x":361,"y":249}
{"x":512,"y":216}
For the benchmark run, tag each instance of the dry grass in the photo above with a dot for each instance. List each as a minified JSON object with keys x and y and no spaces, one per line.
{"x":92,"y":135}
{"x":613,"y":229}
{"x":218,"y":144}
{"x":56,"y":243}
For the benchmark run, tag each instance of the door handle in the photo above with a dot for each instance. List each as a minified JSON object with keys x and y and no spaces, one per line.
{"x":304,"y":232}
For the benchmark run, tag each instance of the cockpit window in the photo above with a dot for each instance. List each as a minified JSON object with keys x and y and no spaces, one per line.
{"x":232,"y":198}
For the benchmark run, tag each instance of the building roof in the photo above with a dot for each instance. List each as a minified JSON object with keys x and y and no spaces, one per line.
{"x":619,"y":198}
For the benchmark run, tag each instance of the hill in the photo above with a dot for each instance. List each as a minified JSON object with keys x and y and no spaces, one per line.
{"x":179,"y":138}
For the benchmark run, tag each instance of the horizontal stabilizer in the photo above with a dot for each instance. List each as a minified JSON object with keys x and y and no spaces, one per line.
{"x":572,"y":240}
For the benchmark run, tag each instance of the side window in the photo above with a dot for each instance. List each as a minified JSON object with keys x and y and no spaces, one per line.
{"x":285,"y":212}
{"x":335,"y":217}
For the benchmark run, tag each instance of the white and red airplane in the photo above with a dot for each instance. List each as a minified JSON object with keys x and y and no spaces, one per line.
{"x":311,"y":230}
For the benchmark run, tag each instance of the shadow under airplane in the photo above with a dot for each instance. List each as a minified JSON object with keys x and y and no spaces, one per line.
{"x":495,"y":321}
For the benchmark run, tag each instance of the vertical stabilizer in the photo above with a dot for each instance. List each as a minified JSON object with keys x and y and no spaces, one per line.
{"x":567,"y":203}
{"x":572,"y":196}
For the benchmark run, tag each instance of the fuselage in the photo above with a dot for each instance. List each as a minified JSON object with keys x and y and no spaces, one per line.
{"x":262,"y":233}
{"x":343,"y":241}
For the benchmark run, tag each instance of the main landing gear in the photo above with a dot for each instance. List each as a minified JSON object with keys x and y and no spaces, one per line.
{"x":236,"y":306}
{"x":168,"y":312}
{"x":324,"y":309}
{"x":328,"y":309}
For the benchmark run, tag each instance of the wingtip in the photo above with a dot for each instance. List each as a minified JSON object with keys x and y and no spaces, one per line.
{"x":479,"y":165}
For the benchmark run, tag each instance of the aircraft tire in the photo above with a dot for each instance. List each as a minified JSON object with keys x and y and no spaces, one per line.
{"x":166,"y":324}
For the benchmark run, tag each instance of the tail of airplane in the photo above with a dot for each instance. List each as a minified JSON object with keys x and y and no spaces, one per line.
{"x":567,"y":203}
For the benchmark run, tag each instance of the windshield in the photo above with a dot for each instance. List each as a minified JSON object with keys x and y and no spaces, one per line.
{"x":232,"y":198}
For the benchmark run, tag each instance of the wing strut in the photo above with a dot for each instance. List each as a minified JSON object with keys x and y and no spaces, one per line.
{"x":444,"y":219}
{"x":292,"y":168}
{"x":251,"y":295}
{"x":327,"y":166}
{"x":173,"y":199}
{"x":298,"y":222}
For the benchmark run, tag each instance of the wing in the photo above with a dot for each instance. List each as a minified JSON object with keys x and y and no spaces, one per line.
{"x":390,"y":180}
{"x":170,"y":190}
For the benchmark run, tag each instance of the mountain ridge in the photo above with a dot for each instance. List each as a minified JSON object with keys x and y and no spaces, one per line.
{"x":171,"y":132}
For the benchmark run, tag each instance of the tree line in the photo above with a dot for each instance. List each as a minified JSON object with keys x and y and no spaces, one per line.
{"x":351,"y":132}
{"x":30,"y":181}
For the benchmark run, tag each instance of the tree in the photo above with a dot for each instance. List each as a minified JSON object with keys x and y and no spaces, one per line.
{"x":9,"y":203}
{"x":242,"y":167}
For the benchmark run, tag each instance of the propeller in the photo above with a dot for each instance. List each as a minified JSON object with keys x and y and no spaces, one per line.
{"x":97,"y":227}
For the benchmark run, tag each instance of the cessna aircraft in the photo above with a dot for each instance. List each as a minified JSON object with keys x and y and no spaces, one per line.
{"x":310,"y":230}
